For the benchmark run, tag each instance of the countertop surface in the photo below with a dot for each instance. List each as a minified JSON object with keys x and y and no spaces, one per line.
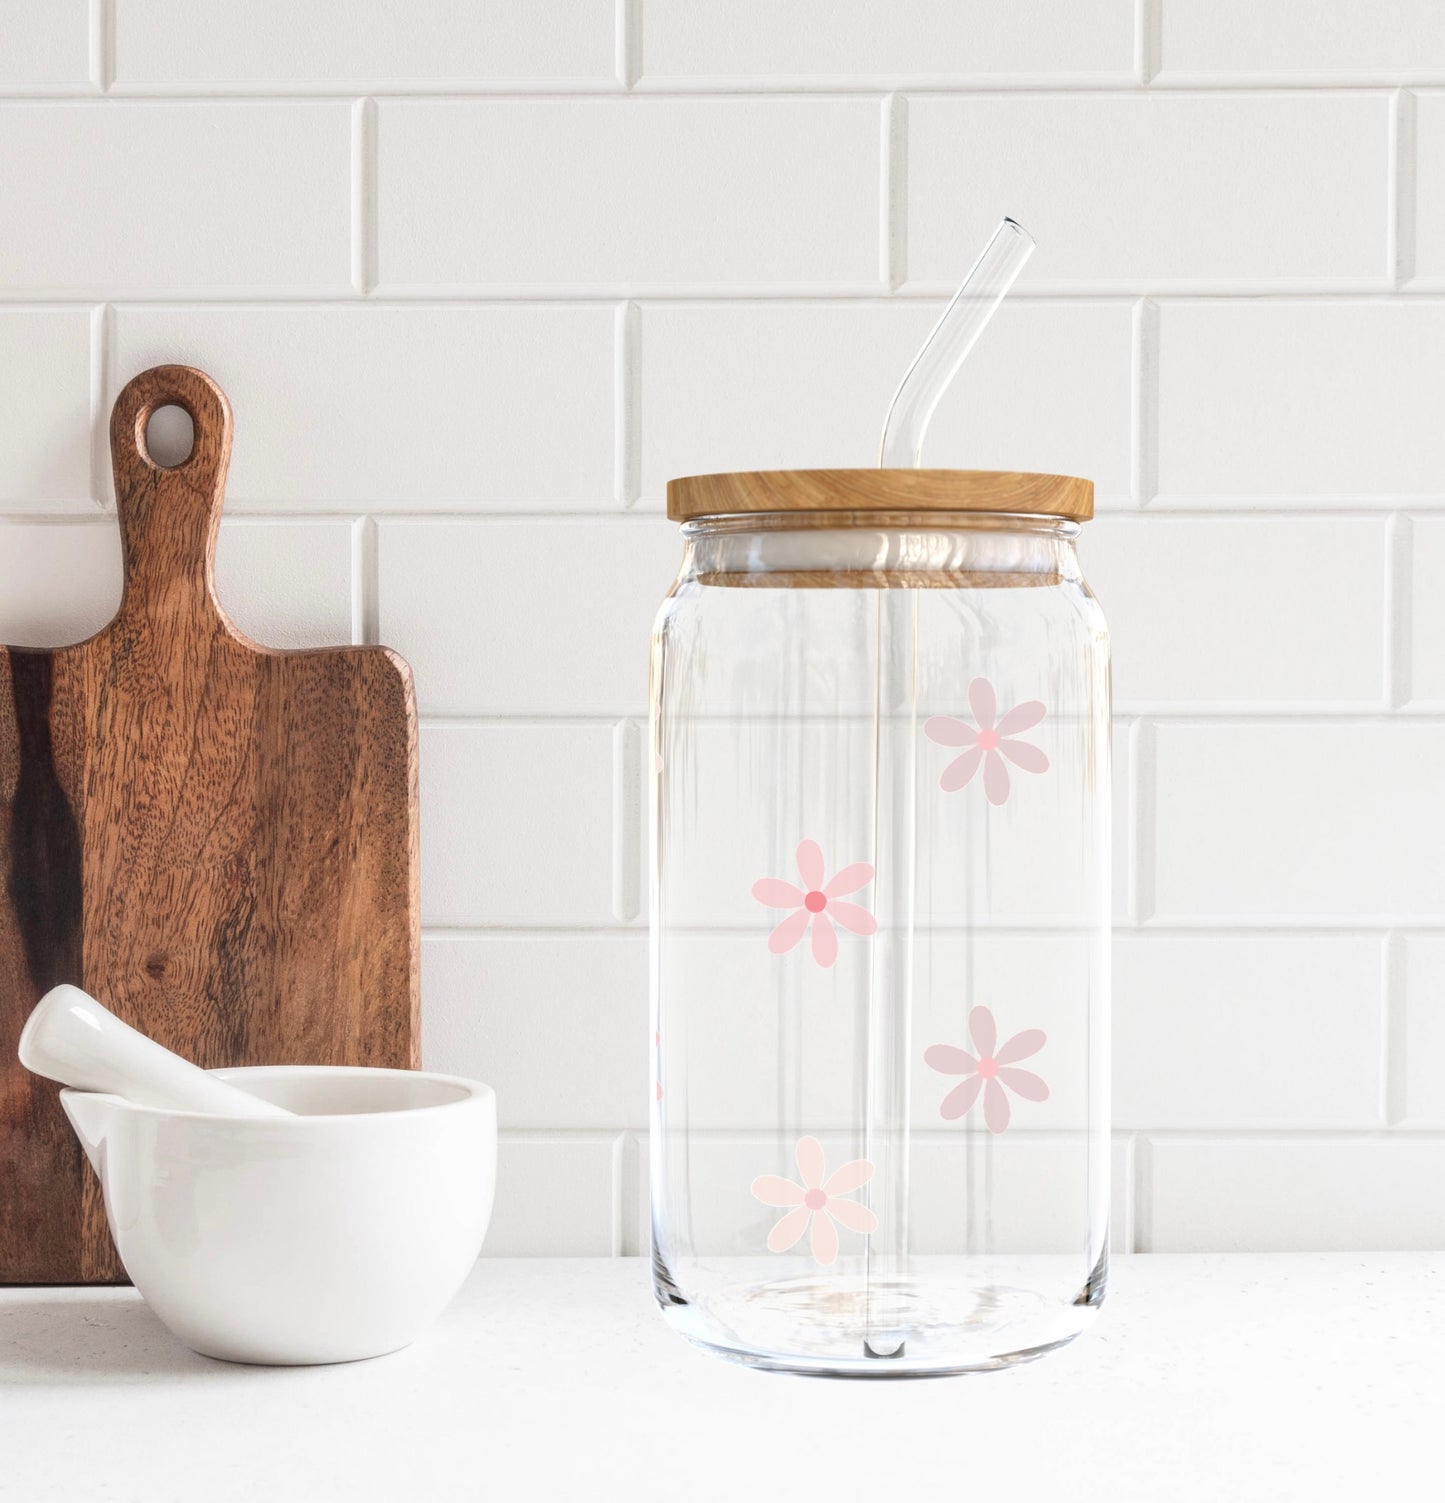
{"x":1219,"y":1378}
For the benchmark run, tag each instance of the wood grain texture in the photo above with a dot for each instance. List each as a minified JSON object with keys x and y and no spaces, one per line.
{"x":217,"y":839}
{"x":859,"y":493}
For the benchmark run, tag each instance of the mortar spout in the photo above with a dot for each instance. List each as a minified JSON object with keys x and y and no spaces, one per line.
{"x":91,"y":1115}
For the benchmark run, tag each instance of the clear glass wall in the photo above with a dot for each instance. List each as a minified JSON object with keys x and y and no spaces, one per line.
{"x":880,"y":945}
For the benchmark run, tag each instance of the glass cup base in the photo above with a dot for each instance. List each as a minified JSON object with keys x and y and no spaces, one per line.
{"x":847,"y":1328}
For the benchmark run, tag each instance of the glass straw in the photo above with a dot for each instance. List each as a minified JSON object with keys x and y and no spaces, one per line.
{"x":890,"y":998}
{"x":946,"y":348}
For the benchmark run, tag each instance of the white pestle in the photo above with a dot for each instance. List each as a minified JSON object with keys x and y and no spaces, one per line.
{"x":71,"y":1038}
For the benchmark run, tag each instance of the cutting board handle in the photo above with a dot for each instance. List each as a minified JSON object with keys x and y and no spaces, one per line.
{"x":169,"y":515}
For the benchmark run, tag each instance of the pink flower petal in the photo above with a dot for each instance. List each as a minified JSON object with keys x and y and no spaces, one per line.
{"x":1024,"y":754}
{"x":983,"y":702}
{"x":774,"y":1190}
{"x":825,"y":1239}
{"x":850,"y":879}
{"x":1024,"y":1083}
{"x":947,"y":731}
{"x":960,"y":771}
{"x":778,"y":894}
{"x":857,"y":1218}
{"x":851,"y":916}
{"x":983,"y":1031}
{"x":961,"y":1098}
{"x":825,"y":940}
{"x":809,"y":1154}
{"x":789,"y":932}
{"x":849,"y":1177}
{"x":788,"y":1232}
{"x":948,"y":1059}
{"x":810,"y":864}
{"x":995,"y":1106}
{"x":1021,"y":1045}
{"x":995,"y":778}
{"x":1021,"y":717}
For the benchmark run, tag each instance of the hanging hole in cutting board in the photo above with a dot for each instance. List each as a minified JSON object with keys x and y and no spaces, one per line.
{"x":170,"y":436}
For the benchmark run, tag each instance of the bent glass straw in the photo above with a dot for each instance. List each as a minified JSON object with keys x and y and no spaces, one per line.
{"x":947,"y":347}
{"x":895,"y":755}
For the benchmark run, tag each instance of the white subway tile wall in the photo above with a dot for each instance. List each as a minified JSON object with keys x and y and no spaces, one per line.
{"x":162,"y":198}
{"x":284,"y":583}
{"x":45,"y":408}
{"x":573,"y":194}
{"x":1161,"y":190}
{"x":524,"y":617}
{"x":353,"y":406}
{"x":46,"y":48}
{"x":164,"y":45}
{"x":1264,"y":611}
{"x":1300,"y":400}
{"x":755,"y":44}
{"x":1304,"y":40}
{"x":478,"y":288}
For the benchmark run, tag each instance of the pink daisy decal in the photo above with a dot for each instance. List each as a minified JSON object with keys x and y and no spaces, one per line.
{"x":816,"y":902}
{"x":816,"y":1201}
{"x":989,"y":1072}
{"x":989,"y":743}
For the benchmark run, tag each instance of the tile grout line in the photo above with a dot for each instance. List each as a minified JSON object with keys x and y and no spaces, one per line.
{"x":627,"y":405}
{"x":1130,"y":852}
{"x":363,"y":196}
{"x":366,"y":585}
{"x":626,"y":820}
{"x":358,"y":582}
{"x":1148,"y":37}
{"x":100,"y":343}
{"x":617,"y":1231}
{"x":628,"y":42}
{"x":1399,"y":606}
{"x":629,"y":1199}
{"x":1144,"y":402}
{"x":1143,"y":1186}
{"x":1393,"y":1029}
{"x":1130,"y":1141}
{"x":564,"y":296}
{"x":1401,"y":191}
{"x":1122,"y":85}
{"x":101,"y":43}
{"x":1144,"y":802}
{"x":893,"y":194}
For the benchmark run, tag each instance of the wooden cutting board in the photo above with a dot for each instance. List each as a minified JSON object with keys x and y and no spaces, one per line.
{"x":216,"y":839}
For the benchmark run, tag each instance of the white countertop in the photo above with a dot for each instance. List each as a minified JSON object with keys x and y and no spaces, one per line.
{"x":1311,"y":1377}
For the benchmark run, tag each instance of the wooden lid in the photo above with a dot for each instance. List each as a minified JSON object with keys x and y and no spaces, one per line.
{"x":745,"y":492}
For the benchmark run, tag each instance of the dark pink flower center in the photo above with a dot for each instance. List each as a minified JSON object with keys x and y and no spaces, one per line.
{"x":988,"y":740}
{"x":815,"y":1200}
{"x":815,"y":902}
{"x":988,"y":1068}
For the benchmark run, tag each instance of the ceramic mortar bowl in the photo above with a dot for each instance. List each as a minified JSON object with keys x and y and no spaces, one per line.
{"x":336,"y":1234}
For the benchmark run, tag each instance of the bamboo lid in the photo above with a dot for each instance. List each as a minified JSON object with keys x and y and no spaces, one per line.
{"x":873,"y":492}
